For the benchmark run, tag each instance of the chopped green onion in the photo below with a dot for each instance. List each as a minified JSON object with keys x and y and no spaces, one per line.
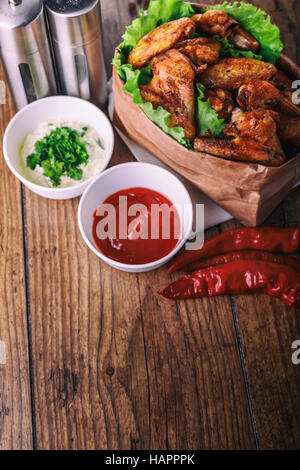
{"x":60,"y":153}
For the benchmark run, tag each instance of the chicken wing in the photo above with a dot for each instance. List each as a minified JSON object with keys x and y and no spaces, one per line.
{"x":262,"y":94}
{"x":259,"y":94}
{"x":172,"y":87}
{"x":201,"y":51}
{"x":253,"y":138}
{"x":221,"y":101}
{"x":260,"y":124}
{"x":243,"y":40}
{"x":231,"y":73}
{"x":214,"y":22}
{"x":218,"y":22}
{"x":240,"y":149}
{"x":159,"y":40}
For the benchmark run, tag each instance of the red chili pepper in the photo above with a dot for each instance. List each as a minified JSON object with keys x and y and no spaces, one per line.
{"x":282,"y":240}
{"x":239,"y":277}
{"x":250,"y":255}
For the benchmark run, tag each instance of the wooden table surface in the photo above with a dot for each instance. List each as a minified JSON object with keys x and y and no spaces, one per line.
{"x":96,"y":360}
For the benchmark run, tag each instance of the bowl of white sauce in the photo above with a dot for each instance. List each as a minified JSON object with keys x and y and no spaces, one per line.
{"x":57,"y":145}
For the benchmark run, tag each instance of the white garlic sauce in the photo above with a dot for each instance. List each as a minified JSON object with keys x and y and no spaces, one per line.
{"x":94,"y":148}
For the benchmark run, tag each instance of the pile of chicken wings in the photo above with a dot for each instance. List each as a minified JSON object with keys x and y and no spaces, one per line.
{"x":253,"y":97}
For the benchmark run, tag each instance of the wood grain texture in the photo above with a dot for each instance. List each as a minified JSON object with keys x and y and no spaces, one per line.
{"x":15,"y":402}
{"x":114,"y":365}
{"x":268,"y":328}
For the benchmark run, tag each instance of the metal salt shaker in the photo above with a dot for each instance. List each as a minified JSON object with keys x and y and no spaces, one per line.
{"x":75,"y":28}
{"x":25,"y":51}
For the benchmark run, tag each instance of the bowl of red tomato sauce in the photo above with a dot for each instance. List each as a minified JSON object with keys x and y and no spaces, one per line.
{"x":135,"y":216}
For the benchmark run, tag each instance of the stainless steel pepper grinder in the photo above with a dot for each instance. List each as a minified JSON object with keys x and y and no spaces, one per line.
{"x":75,"y":29}
{"x":25,"y":50}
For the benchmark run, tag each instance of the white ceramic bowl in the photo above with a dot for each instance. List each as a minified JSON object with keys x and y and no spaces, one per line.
{"x":54,"y":108}
{"x":130,"y":175}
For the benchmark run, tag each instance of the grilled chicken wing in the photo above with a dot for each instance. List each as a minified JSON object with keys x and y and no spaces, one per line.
{"x":218,"y":22}
{"x":172,"y":87}
{"x":221,"y":101}
{"x":214,"y":22}
{"x":159,"y":40}
{"x":260,"y":124}
{"x":253,"y":139}
{"x":231,"y":73}
{"x":262,"y":94}
{"x":259,"y":94}
{"x":201,"y":51}
{"x":240,"y":149}
{"x":243,"y":40}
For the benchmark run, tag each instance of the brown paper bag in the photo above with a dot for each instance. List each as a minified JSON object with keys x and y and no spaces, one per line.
{"x":250,"y":192}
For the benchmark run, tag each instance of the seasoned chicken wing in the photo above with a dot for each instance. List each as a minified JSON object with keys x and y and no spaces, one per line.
{"x":221,"y":101}
{"x":260,"y":125}
{"x":201,"y":51}
{"x":214,"y":22}
{"x":159,"y":40}
{"x":241,"y":149}
{"x":259,"y":94}
{"x":218,"y":22}
{"x":253,"y":138}
{"x":172,"y":87}
{"x":231,"y":73}
{"x":243,"y":40}
{"x":262,"y":94}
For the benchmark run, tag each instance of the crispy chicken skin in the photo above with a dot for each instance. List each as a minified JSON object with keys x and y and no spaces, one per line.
{"x":253,"y":138}
{"x":243,"y":40}
{"x":259,"y":94}
{"x":221,"y":101}
{"x":214,"y":22}
{"x":159,"y":40}
{"x":232,"y":73}
{"x":172,"y":87}
{"x":262,"y":94}
{"x":201,"y":51}
{"x":218,"y":22}
{"x":241,"y":149}
{"x":260,"y":124}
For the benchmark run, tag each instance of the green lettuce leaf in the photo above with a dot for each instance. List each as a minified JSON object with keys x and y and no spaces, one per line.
{"x":254,"y":20}
{"x":158,"y":116}
{"x":258,"y":23}
{"x":159,"y":12}
{"x":229,"y":49}
{"x":207,"y":118}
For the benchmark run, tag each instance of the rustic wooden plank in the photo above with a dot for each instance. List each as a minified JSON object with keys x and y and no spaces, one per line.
{"x":15,"y":401}
{"x":85,"y":326}
{"x":110,"y":356}
{"x":198,"y":395}
{"x":267,"y":327}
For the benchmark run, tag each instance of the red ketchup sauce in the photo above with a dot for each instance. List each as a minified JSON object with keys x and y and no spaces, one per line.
{"x":133,"y":250}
